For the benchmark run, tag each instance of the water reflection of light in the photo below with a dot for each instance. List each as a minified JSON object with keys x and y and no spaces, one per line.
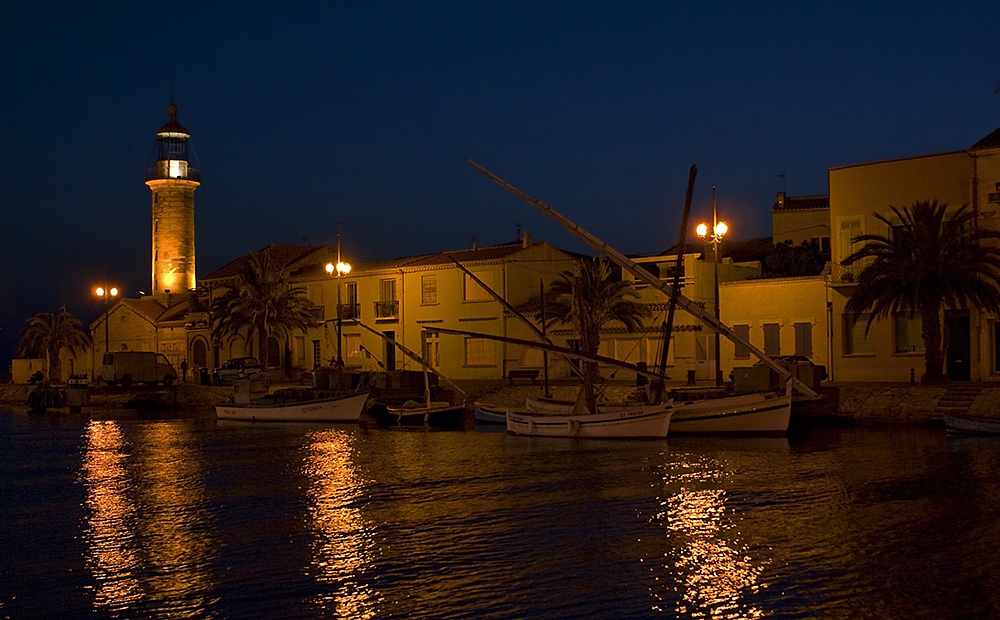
{"x":110,"y":524}
{"x":713,"y":570}
{"x":342,"y":547}
{"x":177,"y":548}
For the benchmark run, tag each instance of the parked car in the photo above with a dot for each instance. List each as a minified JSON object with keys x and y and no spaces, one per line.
{"x":236,"y":368}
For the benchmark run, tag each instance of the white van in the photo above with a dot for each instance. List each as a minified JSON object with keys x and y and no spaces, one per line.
{"x":128,"y":367}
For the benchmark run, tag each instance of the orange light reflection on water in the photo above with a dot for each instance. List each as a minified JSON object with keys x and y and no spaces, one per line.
{"x":110,"y":525}
{"x":342,"y":546}
{"x":712,"y":571}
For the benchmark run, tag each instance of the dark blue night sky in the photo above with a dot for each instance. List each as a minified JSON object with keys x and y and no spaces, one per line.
{"x":306,"y":115}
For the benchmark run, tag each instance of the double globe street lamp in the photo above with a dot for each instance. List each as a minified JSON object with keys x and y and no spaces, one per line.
{"x":341,"y":269}
{"x":714,"y":236}
{"x":107,"y":293}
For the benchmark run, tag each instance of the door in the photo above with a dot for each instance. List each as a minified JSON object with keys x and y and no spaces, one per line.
{"x":390,"y":350}
{"x":957,"y":348}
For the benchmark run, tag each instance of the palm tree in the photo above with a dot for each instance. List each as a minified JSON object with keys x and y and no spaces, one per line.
{"x":592,"y":299}
{"x":925,"y":263}
{"x":261,"y":304}
{"x":46,"y":334}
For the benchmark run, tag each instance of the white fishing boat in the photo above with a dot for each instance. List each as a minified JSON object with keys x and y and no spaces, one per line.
{"x":971,"y":425}
{"x":754,"y":414}
{"x":638,"y":422}
{"x":252,"y":402}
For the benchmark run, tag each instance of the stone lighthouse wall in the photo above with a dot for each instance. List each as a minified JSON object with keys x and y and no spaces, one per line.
{"x":173,"y":235}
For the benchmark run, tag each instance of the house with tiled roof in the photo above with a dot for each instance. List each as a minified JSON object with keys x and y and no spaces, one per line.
{"x":801,"y":219}
{"x":382,"y":302}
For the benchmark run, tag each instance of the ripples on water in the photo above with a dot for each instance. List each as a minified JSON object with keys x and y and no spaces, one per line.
{"x":189,"y":518}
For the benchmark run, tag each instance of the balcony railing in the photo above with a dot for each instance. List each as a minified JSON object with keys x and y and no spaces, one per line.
{"x":193,"y":174}
{"x":386,"y":309}
{"x":837,"y":273}
{"x":350,"y":312}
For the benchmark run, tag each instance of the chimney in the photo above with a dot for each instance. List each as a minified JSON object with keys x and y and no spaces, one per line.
{"x":526,"y":242}
{"x":781,"y":200}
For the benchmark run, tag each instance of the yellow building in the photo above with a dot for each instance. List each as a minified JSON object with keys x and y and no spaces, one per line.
{"x":893,"y":349}
{"x":799,"y":219}
{"x":398,"y":298}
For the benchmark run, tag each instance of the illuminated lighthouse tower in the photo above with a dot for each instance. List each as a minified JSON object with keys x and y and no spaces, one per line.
{"x":173,"y":182}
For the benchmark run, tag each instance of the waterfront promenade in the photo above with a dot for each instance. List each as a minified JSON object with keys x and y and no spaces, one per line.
{"x":847,"y":403}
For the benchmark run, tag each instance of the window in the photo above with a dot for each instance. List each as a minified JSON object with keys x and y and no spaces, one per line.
{"x":299,"y":352}
{"x":352,"y":348}
{"x":804,"y":339}
{"x":317,"y":359}
{"x":350,"y":310}
{"x":475,"y":292}
{"x":772,"y":339}
{"x":388,"y":290}
{"x":315,"y":294}
{"x":908,"y":334}
{"x":743,"y":331}
{"x":849,"y":228}
{"x":478,"y":352}
{"x":428,"y":290}
{"x":856,"y":341}
{"x":432,"y":349}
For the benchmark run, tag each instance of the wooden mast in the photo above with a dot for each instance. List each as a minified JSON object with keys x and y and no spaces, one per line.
{"x":627,"y":264}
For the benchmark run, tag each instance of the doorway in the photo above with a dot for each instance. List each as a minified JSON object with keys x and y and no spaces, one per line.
{"x":390,"y":350}
{"x":957,"y":347}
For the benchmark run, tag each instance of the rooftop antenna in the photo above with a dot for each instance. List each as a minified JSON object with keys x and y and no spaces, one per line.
{"x":784,"y":190}
{"x":997,"y":91}
{"x":518,"y":230}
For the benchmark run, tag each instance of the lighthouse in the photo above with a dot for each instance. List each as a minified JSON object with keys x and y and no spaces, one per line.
{"x":173,"y":182}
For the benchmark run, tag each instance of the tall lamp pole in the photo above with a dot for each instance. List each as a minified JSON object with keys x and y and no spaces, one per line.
{"x":342,"y":269}
{"x":106,"y":292}
{"x":719,"y":229}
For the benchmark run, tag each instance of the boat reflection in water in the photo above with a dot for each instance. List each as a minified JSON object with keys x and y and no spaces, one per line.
{"x":343,"y":548}
{"x":715,"y":574}
{"x":146,"y":529}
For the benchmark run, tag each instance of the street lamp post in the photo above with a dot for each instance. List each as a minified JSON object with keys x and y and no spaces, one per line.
{"x":342,"y":269}
{"x":106,"y":292}
{"x":714,"y":237}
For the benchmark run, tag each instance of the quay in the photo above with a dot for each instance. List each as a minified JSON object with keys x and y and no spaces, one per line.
{"x":840,"y":403}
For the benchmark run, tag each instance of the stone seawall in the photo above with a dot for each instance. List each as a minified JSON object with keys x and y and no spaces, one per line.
{"x":892,"y":403}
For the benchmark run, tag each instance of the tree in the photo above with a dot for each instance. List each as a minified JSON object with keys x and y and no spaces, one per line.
{"x":592,"y":299}
{"x":46,"y":334}
{"x":785,"y":260}
{"x":926,"y":262}
{"x":262,"y":303}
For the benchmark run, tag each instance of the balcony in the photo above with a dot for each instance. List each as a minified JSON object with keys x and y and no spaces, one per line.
{"x":191,"y":174}
{"x":836,"y":273}
{"x":387,"y":309}
{"x":350,"y":312}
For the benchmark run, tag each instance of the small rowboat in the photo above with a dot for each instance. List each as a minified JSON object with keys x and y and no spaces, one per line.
{"x":971,"y":425}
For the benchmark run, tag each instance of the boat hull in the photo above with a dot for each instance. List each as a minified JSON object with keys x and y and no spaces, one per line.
{"x":341,"y":409}
{"x":752,"y":414}
{"x":490,"y":414}
{"x":443,"y":415}
{"x":643,"y":422}
{"x":971,"y":425}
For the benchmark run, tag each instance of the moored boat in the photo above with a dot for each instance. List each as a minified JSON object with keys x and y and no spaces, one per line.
{"x":639,"y":422}
{"x":734,"y":415}
{"x":488,"y":413}
{"x":251,"y":402}
{"x":440,"y":414}
{"x":971,"y":425}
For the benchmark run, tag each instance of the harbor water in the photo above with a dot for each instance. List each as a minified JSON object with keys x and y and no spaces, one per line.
{"x":118,"y":515}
